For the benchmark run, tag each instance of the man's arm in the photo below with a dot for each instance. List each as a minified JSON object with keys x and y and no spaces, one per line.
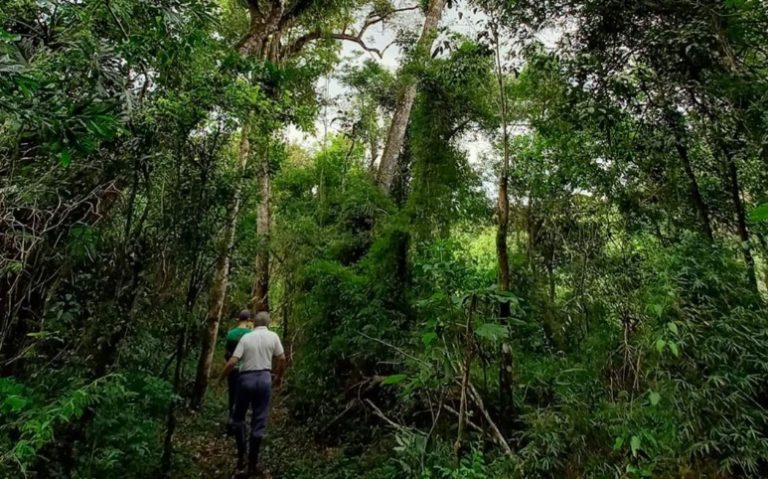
{"x":232,"y":362}
{"x":228,"y":368}
{"x":278,"y":361}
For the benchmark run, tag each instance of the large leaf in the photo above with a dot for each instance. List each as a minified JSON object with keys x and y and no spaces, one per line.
{"x":491,"y":331}
{"x":760,"y":213}
{"x":428,"y":338}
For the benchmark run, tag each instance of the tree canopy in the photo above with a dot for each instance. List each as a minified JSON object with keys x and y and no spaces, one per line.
{"x":499,"y":238}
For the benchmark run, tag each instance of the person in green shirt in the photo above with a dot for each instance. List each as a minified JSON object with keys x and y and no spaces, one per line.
{"x":244,"y":326}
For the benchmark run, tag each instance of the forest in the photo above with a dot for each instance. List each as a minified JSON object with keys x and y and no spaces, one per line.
{"x":498,"y":239}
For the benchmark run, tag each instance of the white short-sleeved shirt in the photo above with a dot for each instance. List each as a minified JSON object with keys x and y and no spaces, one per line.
{"x":256,"y":350}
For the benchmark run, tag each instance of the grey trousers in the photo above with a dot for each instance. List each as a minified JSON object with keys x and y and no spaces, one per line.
{"x":254,"y":389}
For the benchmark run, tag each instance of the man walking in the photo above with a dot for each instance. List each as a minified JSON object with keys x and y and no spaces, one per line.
{"x":255,"y":354}
{"x":244,"y":326}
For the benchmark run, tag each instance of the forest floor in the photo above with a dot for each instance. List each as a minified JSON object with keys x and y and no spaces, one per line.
{"x":203,"y":450}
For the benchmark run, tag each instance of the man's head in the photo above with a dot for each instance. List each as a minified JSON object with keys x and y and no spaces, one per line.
{"x":261,"y":319}
{"x":244,"y":317}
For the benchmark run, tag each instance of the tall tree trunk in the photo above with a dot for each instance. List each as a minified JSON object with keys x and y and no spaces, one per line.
{"x":741,"y":221}
{"x":221,"y":277}
{"x":269,"y":49}
{"x":405,"y":99}
{"x":260,"y":301}
{"x":695,"y":194}
{"x":502,"y":253}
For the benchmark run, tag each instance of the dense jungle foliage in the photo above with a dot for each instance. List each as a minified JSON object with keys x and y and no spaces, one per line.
{"x":582,"y":297}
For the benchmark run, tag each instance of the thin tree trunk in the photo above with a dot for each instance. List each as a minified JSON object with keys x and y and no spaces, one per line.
{"x":505,"y":368}
{"x":695,"y":194}
{"x":170,"y":421}
{"x":405,"y":99}
{"x":465,"y":371}
{"x":221,"y":277}
{"x":731,"y":65}
{"x":193,"y":292}
{"x":374,"y":145}
{"x":260,"y":301}
{"x":741,"y":221}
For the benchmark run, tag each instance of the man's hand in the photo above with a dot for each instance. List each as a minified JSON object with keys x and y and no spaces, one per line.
{"x":277,"y":380}
{"x":228,"y":368}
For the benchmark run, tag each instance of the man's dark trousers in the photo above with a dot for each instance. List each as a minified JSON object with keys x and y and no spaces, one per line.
{"x":254,"y":389}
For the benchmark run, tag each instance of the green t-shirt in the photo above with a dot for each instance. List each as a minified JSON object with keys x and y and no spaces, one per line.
{"x":233,"y":337}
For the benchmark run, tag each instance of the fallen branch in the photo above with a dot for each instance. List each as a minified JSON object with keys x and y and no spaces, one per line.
{"x":469,"y":422}
{"x":499,"y":437}
{"x":399,"y":350}
{"x":392,"y":423}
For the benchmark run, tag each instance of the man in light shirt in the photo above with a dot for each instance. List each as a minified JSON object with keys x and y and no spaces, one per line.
{"x":255,"y":355}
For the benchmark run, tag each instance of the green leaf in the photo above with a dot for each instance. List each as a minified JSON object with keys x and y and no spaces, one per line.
{"x":656,"y":309}
{"x":618,"y":443}
{"x":760,"y":213}
{"x":660,"y":344}
{"x":673,"y":348}
{"x":491,"y":331}
{"x":654,"y":398}
{"x":673,"y":328}
{"x":8,"y":37}
{"x":24,"y":450}
{"x":16,"y":403}
{"x":428,"y":338}
{"x":634,"y":445}
{"x":65,"y":158}
{"x":394,"y":379}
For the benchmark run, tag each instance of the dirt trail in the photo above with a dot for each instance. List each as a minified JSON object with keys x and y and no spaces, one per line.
{"x":204,"y":451}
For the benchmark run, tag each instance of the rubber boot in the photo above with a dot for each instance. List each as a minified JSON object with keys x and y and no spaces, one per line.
{"x":253,"y":456}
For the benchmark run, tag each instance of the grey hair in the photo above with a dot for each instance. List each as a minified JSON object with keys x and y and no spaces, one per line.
{"x":261,"y":318}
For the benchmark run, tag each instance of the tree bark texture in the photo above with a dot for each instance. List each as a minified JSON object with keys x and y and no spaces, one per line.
{"x":260,"y":301}
{"x":404,"y":103}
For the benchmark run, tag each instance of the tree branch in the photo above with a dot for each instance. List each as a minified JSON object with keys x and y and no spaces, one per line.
{"x":371,"y":19}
